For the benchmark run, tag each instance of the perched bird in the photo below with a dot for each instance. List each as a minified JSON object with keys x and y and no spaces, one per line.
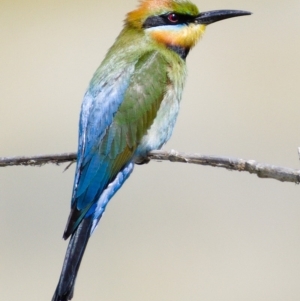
{"x":129,"y":109}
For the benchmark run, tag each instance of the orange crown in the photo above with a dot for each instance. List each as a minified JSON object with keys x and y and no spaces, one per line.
{"x":148,"y":8}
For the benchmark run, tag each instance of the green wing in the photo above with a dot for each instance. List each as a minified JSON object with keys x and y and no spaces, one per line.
{"x":121,"y":138}
{"x":138,"y":110}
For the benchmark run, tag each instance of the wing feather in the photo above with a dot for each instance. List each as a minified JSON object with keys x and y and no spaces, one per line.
{"x":112,"y":125}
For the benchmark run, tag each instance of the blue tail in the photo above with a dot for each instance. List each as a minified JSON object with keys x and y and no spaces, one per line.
{"x":80,"y":236}
{"x":77,"y":244}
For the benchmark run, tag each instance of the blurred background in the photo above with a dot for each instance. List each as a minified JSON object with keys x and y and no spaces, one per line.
{"x":173,"y":232}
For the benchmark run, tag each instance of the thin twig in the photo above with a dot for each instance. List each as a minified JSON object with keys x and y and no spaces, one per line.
{"x":262,"y":170}
{"x":38,"y":160}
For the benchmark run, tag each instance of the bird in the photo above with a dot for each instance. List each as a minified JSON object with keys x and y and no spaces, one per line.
{"x":129,"y":109}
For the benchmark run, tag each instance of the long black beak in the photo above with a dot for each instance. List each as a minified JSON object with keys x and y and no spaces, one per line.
{"x":218,"y":15}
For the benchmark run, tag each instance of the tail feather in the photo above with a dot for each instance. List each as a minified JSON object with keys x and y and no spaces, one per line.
{"x":77,"y":244}
{"x":88,"y":220}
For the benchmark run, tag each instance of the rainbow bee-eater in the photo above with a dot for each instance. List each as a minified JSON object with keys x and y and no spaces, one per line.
{"x":129,"y":109}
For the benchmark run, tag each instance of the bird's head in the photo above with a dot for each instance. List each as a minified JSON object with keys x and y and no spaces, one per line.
{"x":175,"y":23}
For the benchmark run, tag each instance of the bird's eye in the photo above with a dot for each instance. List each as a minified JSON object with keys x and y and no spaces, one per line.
{"x":173,"y":18}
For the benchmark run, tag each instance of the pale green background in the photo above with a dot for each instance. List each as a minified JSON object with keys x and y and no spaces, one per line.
{"x":174,"y":232}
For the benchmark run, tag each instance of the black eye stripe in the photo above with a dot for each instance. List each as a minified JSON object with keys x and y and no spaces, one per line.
{"x":164,"y":19}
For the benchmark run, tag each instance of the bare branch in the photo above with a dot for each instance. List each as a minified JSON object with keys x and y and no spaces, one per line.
{"x":38,"y":160}
{"x":262,"y":170}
